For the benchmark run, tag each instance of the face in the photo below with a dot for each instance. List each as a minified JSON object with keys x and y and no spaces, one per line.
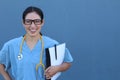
{"x":33,"y":24}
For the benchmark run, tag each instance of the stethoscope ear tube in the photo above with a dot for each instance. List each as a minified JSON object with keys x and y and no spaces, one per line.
{"x":20,"y":55}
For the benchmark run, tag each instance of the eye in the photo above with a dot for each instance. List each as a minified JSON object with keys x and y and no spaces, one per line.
{"x":27,"y":21}
{"x":37,"y":21}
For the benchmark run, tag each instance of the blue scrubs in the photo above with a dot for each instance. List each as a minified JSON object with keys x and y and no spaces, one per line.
{"x":25,"y":69}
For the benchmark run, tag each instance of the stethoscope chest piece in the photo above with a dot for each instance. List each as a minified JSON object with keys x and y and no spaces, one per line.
{"x":20,"y":56}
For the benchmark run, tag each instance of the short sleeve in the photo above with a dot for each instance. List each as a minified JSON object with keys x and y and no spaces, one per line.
{"x":68,"y":57}
{"x":4,"y":57}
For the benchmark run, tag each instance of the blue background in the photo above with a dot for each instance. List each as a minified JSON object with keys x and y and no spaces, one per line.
{"x":91,"y":29}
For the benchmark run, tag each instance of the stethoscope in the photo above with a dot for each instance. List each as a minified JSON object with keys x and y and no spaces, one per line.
{"x":20,"y":55}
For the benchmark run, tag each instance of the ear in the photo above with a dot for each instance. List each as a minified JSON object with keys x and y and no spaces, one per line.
{"x":23,"y":23}
{"x":42,"y":22}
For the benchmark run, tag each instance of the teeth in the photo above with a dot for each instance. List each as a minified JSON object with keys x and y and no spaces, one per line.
{"x":32,"y":30}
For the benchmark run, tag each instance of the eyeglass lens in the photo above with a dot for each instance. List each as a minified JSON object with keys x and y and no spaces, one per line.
{"x":29,"y":21}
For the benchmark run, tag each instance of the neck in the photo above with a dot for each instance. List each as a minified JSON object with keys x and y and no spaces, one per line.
{"x":32,"y":38}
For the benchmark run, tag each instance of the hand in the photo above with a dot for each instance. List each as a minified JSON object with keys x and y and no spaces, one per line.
{"x":4,"y":73}
{"x":50,"y":71}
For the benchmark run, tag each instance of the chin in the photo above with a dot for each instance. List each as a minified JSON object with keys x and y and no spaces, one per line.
{"x":32,"y":35}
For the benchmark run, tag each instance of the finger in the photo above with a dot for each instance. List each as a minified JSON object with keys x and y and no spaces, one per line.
{"x":47,"y":69}
{"x":48,"y":76}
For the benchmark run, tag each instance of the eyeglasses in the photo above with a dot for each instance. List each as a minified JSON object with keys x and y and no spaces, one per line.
{"x":29,"y":21}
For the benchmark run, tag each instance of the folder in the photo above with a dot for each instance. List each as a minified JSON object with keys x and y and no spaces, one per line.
{"x":55,"y":56}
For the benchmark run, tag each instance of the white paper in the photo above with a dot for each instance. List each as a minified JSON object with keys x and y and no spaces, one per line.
{"x":60,"y":49}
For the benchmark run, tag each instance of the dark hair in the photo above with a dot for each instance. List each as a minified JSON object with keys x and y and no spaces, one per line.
{"x":33,"y":9}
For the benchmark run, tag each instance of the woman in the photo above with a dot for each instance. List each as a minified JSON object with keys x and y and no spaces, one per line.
{"x":23,"y":55}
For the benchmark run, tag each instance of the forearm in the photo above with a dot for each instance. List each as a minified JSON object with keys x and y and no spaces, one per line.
{"x":4,"y":73}
{"x":63,"y":67}
{"x":52,"y":70}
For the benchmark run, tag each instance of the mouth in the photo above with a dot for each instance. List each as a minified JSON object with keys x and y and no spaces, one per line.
{"x":32,"y":31}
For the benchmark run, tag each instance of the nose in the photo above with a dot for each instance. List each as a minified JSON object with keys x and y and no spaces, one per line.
{"x":33,"y":24}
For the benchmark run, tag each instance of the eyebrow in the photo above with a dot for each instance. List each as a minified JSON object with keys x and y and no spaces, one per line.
{"x":32,"y":19}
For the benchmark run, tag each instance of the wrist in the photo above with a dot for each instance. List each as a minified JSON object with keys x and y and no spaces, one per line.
{"x":58,"y":68}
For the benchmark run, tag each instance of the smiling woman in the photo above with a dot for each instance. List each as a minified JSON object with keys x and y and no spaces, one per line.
{"x":31,"y":28}
{"x":23,"y":55}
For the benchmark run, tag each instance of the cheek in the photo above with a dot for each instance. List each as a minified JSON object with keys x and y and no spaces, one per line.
{"x":39,"y":27}
{"x":26,"y":27}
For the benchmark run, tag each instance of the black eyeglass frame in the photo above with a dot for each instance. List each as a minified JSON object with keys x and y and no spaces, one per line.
{"x":35,"y":21}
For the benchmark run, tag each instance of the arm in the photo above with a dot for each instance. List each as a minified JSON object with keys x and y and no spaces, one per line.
{"x":4,"y":73}
{"x":52,"y":70}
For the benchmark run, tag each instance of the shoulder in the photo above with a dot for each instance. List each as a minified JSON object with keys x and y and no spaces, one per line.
{"x":49,"y":41}
{"x":11,"y":43}
{"x":14,"y":41}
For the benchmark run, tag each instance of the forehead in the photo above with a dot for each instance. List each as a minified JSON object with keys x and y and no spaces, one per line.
{"x":32,"y":15}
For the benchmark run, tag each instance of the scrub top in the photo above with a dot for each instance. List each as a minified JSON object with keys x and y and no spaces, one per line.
{"x":25,"y":69}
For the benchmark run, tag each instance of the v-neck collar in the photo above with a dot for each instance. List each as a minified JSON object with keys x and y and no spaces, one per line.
{"x":38,"y":44}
